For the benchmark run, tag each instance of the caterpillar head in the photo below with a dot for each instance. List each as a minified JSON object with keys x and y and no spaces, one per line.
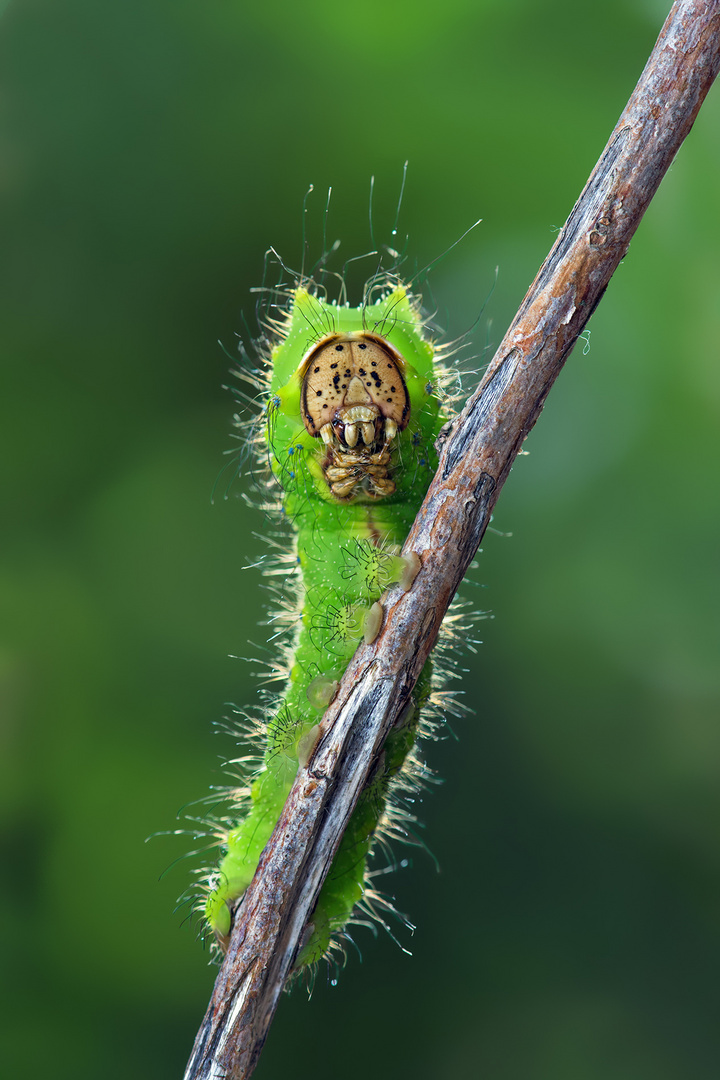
{"x":352,"y":386}
{"x":354,"y":397}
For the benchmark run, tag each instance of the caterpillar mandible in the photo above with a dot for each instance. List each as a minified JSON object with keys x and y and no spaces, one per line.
{"x":352,"y":411}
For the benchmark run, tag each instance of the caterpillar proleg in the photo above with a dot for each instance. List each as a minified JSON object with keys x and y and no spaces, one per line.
{"x":351,"y":414}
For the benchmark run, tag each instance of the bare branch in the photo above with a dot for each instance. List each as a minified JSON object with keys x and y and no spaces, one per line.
{"x":477,"y":452}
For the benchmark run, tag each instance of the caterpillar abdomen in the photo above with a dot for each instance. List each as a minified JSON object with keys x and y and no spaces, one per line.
{"x":350,"y":423}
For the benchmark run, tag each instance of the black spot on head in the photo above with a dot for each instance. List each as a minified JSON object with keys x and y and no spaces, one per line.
{"x":393,"y":390}
{"x":362,"y":346}
{"x":318,"y":393}
{"x":315,"y":370}
{"x":339,"y":348}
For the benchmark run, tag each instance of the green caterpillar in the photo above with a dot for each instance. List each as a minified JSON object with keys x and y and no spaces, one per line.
{"x":352,"y":413}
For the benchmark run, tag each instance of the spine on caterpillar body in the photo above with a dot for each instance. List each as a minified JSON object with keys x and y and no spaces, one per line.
{"x":351,"y":422}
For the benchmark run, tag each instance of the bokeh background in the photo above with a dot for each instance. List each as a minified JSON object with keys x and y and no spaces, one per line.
{"x":151,"y":151}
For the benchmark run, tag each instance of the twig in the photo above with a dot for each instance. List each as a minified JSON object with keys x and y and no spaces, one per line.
{"x":477,"y":452}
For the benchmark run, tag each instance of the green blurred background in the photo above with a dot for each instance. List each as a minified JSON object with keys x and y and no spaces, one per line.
{"x":151,"y":152}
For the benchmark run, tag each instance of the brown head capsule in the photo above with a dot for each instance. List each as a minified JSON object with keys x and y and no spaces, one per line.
{"x":355,"y":399}
{"x":345,"y":372}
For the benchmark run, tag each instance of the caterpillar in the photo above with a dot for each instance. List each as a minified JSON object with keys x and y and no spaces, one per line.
{"x":353,"y":406}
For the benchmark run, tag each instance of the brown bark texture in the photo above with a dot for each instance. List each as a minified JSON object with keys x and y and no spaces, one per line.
{"x":477,"y":450}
